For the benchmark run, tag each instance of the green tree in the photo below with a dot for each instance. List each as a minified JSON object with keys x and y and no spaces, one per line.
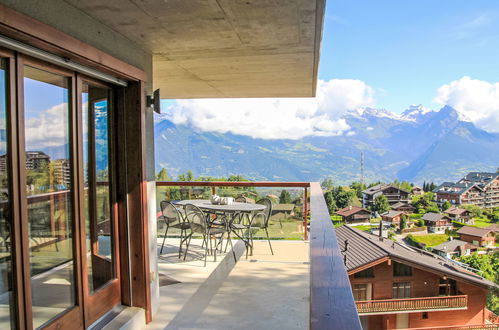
{"x":381,"y":204}
{"x":446,"y":205}
{"x":476,"y":211}
{"x":327,"y":184}
{"x":403,"y":222}
{"x":343,"y":197}
{"x":163,"y":175}
{"x":358,"y":187}
{"x":330,"y":202}
{"x":285,"y":197}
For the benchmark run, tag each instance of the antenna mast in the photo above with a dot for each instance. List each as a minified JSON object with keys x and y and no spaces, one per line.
{"x":362,"y":168}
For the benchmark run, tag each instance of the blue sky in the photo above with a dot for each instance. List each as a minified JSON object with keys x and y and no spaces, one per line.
{"x":406,"y":50}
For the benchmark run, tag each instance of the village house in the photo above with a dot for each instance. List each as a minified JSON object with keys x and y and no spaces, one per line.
{"x":397,"y":287}
{"x":454,"y":248}
{"x":476,"y":188}
{"x":417,"y":191}
{"x":460,"y":215}
{"x":484,"y":237}
{"x":403,"y":207}
{"x":393,"y":217}
{"x":354,"y":214}
{"x":392,"y":193}
{"x":436,"y":222}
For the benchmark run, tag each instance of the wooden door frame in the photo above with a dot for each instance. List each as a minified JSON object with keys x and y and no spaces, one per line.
{"x":131,"y":151}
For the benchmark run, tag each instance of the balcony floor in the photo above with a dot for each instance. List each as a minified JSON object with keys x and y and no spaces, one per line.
{"x":263,"y":292}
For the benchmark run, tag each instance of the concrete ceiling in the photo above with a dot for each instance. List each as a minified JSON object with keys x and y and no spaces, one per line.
{"x":222,"y":48}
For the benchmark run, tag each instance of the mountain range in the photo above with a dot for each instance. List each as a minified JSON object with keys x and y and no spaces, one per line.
{"x":417,"y":145}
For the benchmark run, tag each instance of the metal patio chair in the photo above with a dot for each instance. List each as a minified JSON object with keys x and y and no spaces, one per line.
{"x":173,"y":218}
{"x":260,"y":220}
{"x":200,"y":223}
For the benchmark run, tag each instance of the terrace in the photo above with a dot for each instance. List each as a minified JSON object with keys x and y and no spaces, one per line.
{"x":306,"y":269}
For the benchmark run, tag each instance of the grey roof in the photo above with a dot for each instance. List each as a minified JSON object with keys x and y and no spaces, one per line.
{"x":472,"y":179}
{"x":364,"y":248}
{"x":450,"y":245}
{"x":433,"y":217}
{"x":391,"y":213}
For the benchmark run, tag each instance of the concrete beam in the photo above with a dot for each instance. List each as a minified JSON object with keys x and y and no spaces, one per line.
{"x":222,"y":48}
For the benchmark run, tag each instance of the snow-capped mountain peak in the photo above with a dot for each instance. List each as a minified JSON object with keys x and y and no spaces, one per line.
{"x":415,"y":112}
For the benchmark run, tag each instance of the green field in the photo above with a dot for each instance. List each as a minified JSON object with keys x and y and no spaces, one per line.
{"x":430,"y":239}
{"x":366,"y":228}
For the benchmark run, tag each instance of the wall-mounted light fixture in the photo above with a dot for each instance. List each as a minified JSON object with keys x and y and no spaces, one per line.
{"x":154,"y":101}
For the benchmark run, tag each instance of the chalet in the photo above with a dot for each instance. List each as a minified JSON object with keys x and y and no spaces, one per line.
{"x":459,"y":214}
{"x":397,"y":287}
{"x":454,"y":248}
{"x":436,"y":222}
{"x":403,"y":207}
{"x":393,"y":217}
{"x":476,"y":188}
{"x":417,"y":191}
{"x":484,"y":237}
{"x":392,"y":193}
{"x":280,"y":211}
{"x":354,"y":214}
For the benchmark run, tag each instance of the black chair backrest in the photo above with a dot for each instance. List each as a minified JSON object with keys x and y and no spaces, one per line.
{"x":268,"y":203}
{"x":170,"y":212}
{"x":196,"y":218}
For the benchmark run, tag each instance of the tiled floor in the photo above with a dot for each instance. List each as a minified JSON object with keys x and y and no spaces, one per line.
{"x":262,"y":292}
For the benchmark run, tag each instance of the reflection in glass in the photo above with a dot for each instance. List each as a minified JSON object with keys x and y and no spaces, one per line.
{"x":95,"y":103}
{"x":6,"y":302}
{"x":49,"y":190}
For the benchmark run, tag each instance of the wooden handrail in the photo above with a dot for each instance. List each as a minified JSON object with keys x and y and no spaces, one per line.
{"x":331,"y":300}
{"x":232,"y":184}
{"x":408,"y":304}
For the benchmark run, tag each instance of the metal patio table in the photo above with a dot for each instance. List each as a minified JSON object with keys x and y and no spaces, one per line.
{"x":232,"y":211}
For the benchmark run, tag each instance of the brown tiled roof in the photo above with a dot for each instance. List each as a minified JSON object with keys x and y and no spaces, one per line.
{"x":474,"y":231}
{"x":494,"y":227}
{"x":365,"y":248}
{"x":349,"y":210}
{"x":455,"y":210}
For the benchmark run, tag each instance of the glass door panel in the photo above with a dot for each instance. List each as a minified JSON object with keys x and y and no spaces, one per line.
{"x":49,"y":190}
{"x":96,"y":159}
{"x":6,"y":280}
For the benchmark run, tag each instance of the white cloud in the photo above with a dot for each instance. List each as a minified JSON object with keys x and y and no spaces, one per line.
{"x":475,"y":99}
{"x":48,"y":129}
{"x":277,"y":118}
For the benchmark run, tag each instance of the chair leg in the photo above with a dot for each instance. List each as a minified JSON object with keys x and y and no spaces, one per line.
{"x":181,"y":242}
{"x":268,"y":239}
{"x":206,"y":249}
{"x":164,"y":239}
{"x":187,"y":245}
{"x":227,"y":244}
{"x":233,"y":252}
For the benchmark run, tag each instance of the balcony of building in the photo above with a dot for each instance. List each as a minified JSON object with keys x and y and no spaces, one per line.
{"x":300,"y":283}
{"x":412,"y":305}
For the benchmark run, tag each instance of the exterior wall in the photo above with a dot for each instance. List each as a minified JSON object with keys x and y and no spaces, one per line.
{"x":394,"y":220}
{"x":444,"y":196}
{"x":488,"y":240}
{"x":360,"y":217}
{"x":423,"y":284}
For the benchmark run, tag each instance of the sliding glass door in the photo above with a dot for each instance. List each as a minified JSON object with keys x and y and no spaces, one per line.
{"x":58,"y":211}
